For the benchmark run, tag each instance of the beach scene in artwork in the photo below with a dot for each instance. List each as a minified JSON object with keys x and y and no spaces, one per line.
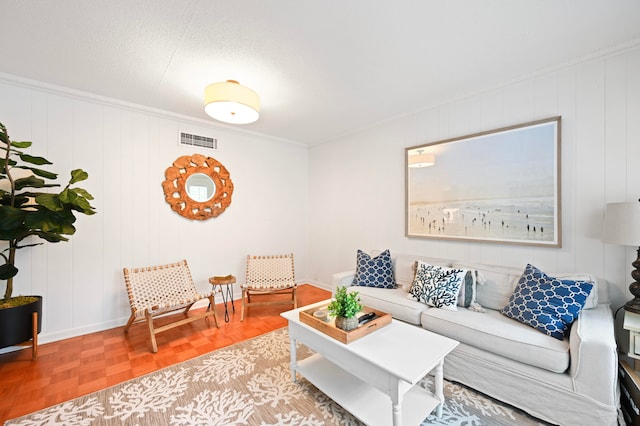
{"x":496,"y":187}
{"x":517,"y":219}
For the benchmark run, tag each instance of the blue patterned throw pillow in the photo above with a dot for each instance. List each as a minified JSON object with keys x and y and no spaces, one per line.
{"x":374,"y":272}
{"x":546,"y":303}
{"x":437,"y":286}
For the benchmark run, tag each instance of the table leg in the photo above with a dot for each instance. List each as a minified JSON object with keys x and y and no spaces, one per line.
{"x":439,"y":387}
{"x":397,"y":394}
{"x":397,"y":417}
{"x":294,"y":358}
{"x":230,"y":295}
{"x":225,"y":300}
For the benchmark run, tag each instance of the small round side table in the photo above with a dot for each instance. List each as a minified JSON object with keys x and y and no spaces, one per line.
{"x":227,"y":296}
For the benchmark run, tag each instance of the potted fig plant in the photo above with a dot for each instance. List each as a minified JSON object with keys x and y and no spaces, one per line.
{"x":30,"y":210}
{"x":344,"y":307}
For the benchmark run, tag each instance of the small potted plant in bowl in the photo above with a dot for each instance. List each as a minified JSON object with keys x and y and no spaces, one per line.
{"x":344,"y":307}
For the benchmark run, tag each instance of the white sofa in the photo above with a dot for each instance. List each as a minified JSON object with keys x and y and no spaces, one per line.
{"x":567,"y":382}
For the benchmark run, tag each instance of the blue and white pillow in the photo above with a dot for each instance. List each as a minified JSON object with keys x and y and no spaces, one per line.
{"x":374,"y":272}
{"x":437,"y":286}
{"x":545,"y":303}
{"x":467,"y":294}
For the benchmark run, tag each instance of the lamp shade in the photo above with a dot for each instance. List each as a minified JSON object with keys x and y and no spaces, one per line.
{"x":421,"y":160}
{"x":622,"y":224}
{"x":231,"y":102}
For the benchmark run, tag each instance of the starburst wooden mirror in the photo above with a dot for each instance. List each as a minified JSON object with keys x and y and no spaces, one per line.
{"x":197,"y":187}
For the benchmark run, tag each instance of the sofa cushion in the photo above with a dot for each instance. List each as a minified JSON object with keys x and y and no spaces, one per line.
{"x":546,"y":303}
{"x":393,"y":301}
{"x":495,"y":333}
{"x":374,"y":271}
{"x":437,"y":286}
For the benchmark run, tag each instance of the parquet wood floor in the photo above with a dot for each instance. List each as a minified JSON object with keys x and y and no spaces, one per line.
{"x":74,"y":367}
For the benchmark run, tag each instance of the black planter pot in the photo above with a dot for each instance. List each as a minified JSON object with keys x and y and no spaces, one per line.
{"x":16,"y":325}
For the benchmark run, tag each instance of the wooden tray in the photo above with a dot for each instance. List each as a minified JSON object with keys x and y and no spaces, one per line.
{"x":329,"y":328}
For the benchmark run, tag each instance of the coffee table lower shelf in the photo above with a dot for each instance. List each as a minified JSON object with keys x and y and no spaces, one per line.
{"x":361,"y":399}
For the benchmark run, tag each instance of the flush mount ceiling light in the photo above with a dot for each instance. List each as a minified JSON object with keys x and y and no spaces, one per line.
{"x":231,"y":102}
{"x":421,"y":160}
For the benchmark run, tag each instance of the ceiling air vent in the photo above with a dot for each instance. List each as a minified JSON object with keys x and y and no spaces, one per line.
{"x":197,"y":140}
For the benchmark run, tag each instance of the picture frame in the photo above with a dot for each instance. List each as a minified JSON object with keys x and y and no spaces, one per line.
{"x":497,"y":186}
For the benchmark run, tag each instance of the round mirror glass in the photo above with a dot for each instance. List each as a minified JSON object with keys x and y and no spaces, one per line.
{"x":200,"y":187}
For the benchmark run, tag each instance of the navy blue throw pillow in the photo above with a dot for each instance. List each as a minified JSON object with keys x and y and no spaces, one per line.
{"x":546,"y":303}
{"x":374,"y":272}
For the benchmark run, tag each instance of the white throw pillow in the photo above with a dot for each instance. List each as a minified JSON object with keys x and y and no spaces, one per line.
{"x":437,"y":286}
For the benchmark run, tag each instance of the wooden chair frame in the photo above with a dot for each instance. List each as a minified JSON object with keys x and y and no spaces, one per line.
{"x":269,"y":275}
{"x":157,"y":290}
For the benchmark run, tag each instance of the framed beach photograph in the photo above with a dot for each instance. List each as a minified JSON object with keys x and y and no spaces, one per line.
{"x":499,"y":186}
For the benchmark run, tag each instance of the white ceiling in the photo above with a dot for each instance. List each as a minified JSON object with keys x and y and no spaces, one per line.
{"x":323,"y":69}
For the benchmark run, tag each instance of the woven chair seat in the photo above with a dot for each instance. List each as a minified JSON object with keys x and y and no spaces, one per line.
{"x":269,"y":285}
{"x":273,"y":274}
{"x":161,"y":288}
{"x":156,"y":290}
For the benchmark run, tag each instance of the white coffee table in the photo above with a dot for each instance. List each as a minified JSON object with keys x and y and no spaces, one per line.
{"x":374,"y":377}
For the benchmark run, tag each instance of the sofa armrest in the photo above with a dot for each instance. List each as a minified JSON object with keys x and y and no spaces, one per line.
{"x":344,"y":279}
{"x":594,"y":360}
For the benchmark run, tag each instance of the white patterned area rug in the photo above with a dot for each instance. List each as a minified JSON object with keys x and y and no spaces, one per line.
{"x":248,"y":383}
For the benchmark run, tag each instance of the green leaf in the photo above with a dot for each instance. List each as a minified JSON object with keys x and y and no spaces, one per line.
{"x":50,"y":201}
{"x":39,"y":161}
{"x":11,"y":218}
{"x":78,"y":175}
{"x":7,"y":271}
{"x":43,"y":173}
{"x":29,"y":182}
{"x":2,"y":166}
{"x":21,"y":144}
{"x":83,"y":193}
{"x":28,"y":245}
{"x":20,"y":201}
{"x":67,"y":196}
{"x":73,"y":197}
{"x":84,"y":206}
{"x":12,"y":234}
{"x":52,"y":237}
{"x":50,"y":222}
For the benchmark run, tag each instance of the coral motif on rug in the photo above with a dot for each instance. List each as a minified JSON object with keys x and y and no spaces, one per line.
{"x":248,"y":383}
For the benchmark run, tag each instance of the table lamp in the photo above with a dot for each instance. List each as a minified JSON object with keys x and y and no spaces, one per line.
{"x":622,"y":226}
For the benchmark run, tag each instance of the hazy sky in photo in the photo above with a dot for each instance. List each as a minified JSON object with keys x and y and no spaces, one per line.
{"x":512,"y":164}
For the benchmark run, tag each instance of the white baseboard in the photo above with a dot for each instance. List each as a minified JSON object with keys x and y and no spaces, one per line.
{"x":320,"y":284}
{"x":93,"y":328}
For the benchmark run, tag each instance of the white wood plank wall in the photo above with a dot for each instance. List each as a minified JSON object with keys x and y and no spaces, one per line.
{"x":360,"y":178}
{"x":126,"y":149}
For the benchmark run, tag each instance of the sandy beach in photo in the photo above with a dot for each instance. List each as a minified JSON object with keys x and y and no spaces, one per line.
{"x":528,"y":219}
